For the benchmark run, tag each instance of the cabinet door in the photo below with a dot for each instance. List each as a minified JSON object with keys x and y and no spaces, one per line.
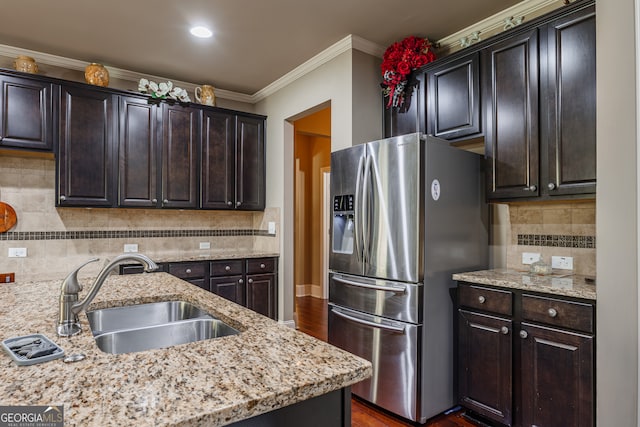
{"x":250,"y":163}
{"x":557,"y":377}
{"x":510,"y":91}
{"x":26,"y":111}
{"x":485,"y":365}
{"x":218,"y":160}
{"x":180,"y":151}
{"x":572,"y":104}
{"x":229,"y":287}
{"x":86,"y":160}
{"x":138,"y":153}
{"x":453,"y":92}
{"x":261,"y":294}
{"x":406,"y":119}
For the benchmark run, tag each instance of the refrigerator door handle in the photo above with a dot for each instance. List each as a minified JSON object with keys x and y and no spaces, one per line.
{"x":384,"y":326}
{"x":366,"y":220}
{"x":357,"y":235}
{"x":390,"y":288}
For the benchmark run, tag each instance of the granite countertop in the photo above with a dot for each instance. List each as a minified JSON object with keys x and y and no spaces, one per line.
{"x":572,"y":285}
{"x":212,"y":382}
{"x":212,"y":255}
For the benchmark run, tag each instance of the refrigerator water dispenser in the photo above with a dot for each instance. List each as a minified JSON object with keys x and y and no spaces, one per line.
{"x":343,"y":224}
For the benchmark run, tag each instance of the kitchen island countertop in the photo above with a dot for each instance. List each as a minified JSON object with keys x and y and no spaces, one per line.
{"x":212,"y":382}
{"x":572,"y":285}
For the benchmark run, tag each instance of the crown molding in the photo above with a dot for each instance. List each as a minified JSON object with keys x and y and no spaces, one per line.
{"x":495,"y":23}
{"x":116,"y":73}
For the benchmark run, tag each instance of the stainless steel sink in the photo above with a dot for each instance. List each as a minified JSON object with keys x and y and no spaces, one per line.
{"x":142,"y":315}
{"x":155,"y":325}
{"x":162,"y":336}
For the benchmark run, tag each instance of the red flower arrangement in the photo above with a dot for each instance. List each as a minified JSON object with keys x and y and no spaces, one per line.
{"x":399,"y":60}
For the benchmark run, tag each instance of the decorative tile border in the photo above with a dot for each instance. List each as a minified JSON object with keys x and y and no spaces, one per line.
{"x":126,"y":234}
{"x":555,"y":240}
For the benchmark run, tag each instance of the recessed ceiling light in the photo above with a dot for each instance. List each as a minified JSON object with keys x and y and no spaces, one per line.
{"x":201,"y":32}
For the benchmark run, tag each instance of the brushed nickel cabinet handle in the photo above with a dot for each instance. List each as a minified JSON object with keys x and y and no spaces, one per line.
{"x":165,"y":201}
{"x":531,"y":188}
{"x":188,"y":270}
{"x":504,"y":330}
{"x":551,"y":186}
{"x":250,"y":280}
{"x":262,"y":266}
{"x":238,"y":203}
{"x":523,"y":334}
{"x":227,"y":268}
{"x":63,"y":198}
{"x":481,"y":299}
{"x":552,"y":312}
{"x":229,"y":203}
{"x":240,"y":281}
{"x":154,"y":200}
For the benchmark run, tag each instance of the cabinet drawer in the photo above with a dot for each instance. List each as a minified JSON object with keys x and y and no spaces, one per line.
{"x":188,"y":270}
{"x":261,"y":265}
{"x":226,"y":267}
{"x":551,"y":311}
{"x":493,"y":300}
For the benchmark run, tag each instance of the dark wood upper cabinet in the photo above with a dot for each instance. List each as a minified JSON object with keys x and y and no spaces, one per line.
{"x":511,"y":93}
{"x":407,"y":118}
{"x":180,"y":155}
{"x":218,"y":160}
{"x":138,"y":153}
{"x":453,"y":98}
{"x":250,"y":163}
{"x":86,"y":158}
{"x":26,"y":113}
{"x":571,"y":45}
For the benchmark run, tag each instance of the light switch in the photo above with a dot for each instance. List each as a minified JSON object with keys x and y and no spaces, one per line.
{"x":272,"y":227}
{"x":131,"y":247}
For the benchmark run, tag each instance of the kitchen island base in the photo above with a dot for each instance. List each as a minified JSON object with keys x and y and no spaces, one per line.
{"x":328,"y":410}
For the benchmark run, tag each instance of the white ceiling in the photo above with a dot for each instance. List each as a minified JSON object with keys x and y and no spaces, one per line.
{"x":255,"y":42}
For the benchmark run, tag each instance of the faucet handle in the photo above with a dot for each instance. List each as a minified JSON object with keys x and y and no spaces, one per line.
{"x":70,"y":285}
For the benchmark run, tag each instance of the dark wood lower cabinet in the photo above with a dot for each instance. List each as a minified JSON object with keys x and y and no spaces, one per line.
{"x":485,"y":365}
{"x":250,"y":282}
{"x":526,"y":360}
{"x":557,"y":377}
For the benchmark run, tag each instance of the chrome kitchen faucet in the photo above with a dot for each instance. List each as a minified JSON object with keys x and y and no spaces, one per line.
{"x":68,"y":323}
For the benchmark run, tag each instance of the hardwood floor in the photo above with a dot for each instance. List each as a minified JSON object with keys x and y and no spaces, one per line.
{"x":312,"y":319}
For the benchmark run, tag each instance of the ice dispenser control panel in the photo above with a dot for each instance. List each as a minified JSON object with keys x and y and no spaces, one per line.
{"x":343,"y":224}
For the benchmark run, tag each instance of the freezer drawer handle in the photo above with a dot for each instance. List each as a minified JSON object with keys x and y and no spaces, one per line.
{"x":399,"y":329}
{"x":389,"y":288}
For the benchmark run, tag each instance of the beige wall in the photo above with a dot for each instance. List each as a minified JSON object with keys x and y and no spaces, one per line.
{"x":617,"y":214}
{"x":331,"y":84}
{"x":28,"y":185}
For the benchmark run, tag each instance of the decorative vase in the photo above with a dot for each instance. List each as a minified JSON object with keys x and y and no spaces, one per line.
{"x":26,"y":64}
{"x":96,"y":74}
{"x":205,"y":95}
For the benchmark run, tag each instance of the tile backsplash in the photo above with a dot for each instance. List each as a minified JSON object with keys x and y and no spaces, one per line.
{"x":57,"y":239}
{"x":553,"y":229}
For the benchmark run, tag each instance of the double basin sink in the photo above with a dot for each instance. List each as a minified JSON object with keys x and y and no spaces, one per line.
{"x":143,"y":327}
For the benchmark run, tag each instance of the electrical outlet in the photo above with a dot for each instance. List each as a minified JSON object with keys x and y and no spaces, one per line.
{"x":7,"y":277}
{"x":530,"y":257}
{"x":17,"y":252}
{"x":562,"y":262}
{"x":272,"y":227}
{"x":205,"y":245}
{"x":131,"y":247}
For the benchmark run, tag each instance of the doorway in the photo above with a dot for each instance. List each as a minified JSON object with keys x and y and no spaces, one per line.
{"x":312,"y":157}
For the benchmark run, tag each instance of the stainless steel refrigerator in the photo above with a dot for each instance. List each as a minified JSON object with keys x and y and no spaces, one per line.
{"x":408,"y":212}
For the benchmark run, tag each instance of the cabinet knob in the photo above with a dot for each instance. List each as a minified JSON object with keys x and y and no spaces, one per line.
{"x":552,"y":312}
{"x":262,"y":266}
{"x":238,"y":203}
{"x":154,"y":201}
{"x":523,"y":334}
{"x":250,"y":280}
{"x":229,"y":203}
{"x":227,"y":268}
{"x":188,"y":270}
{"x":504,"y":330}
{"x":481,"y":299}
{"x":165,"y":201}
{"x":551,"y":186}
{"x":240,"y":281}
{"x":63,"y":198}
{"x":530,"y":188}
